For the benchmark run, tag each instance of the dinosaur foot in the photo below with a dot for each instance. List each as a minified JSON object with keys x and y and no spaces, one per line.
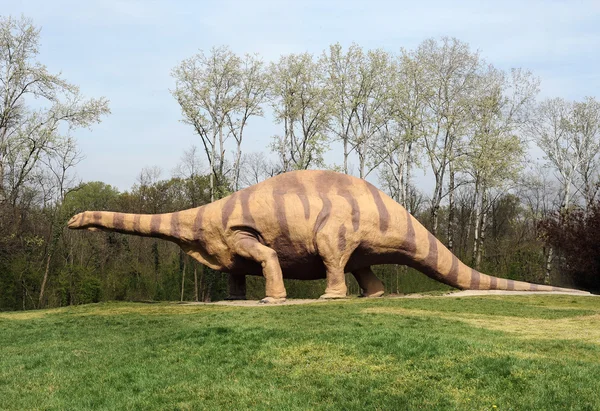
{"x":331,"y":296}
{"x":272,"y":300}
{"x":373,"y":295}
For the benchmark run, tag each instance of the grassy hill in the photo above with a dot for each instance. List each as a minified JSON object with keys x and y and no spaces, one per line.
{"x":496,"y":352}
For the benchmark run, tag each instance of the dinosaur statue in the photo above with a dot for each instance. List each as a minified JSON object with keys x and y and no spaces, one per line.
{"x":305,"y":225}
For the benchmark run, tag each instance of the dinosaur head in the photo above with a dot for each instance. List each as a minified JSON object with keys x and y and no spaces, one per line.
{"x":76,"y":222}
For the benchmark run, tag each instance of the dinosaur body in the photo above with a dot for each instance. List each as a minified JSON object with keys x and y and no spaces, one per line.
{"x":305,"y":225}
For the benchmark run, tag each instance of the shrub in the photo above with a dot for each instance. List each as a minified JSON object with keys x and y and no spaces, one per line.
{"x":575,"y":236}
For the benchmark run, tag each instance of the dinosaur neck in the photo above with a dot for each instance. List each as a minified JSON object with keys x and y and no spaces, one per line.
{"x":170,"y":226}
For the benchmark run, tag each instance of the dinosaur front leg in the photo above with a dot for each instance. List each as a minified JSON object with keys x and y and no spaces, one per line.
{"x":335,"y":260}
{"x":370,"y":285}
{"x":249,"y":247}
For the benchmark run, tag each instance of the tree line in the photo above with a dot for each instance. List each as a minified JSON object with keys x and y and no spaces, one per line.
{"x":439,"y":109}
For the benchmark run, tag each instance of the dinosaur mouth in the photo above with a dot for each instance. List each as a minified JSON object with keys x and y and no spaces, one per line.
{"x":75,"y":220}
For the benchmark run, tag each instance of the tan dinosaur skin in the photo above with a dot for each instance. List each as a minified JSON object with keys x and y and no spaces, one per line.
{"x":305,"y":225}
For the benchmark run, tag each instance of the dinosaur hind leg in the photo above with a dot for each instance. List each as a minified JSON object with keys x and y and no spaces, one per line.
{"x":370,"y":285}
{"x":336,"y":284}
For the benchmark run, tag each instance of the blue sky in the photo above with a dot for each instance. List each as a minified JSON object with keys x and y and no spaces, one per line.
{"x":125,"y":50}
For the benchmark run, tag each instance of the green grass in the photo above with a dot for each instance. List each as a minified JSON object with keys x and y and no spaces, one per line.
{"x":514,"y":352}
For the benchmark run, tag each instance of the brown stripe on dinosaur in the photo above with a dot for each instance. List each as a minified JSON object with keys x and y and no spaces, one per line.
{"x":155,"y":223}
{"x":81,"y":218}
{"x":175,"y":229}
{"x":452,"y":276}
{"x":384,"y":215}
{"x":493,"y":283}
{"x":119,"y":221}
{"x":475,"y":279}
{"x":353,"y":205}
{"x":533,"y":287}
{"x":247,"y":218}
{"x":510,"y":285}
{"x":323,"y":215}
{"x":410,"y":244}
{"x":323,"y":183}
{"x":198,"y":230}
{"x":343,"y":183}
{"x":342,"y":237}
{"x":97,"y":217}
{"x":432,"y":257}
{"x":280,"y":215}
{"x":136,"y":223}
{"x":227,"y":209}
{"x":294,"y":185}
{"x":305,"y":203}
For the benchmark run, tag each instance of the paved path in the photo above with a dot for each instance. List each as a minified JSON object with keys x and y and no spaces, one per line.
{"x":465,"y":293}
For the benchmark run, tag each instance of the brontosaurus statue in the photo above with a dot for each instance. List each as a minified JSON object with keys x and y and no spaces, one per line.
{"x":305,"y":225}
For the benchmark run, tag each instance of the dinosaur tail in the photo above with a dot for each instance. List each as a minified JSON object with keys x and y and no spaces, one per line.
{"x":166,"y":226}
{"x":432,"y":258}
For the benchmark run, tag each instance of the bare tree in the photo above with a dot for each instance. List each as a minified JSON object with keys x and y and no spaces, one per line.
{"x":553,"y":132}
{"x":358,"y":84}
{"x":406,"y":108}
{"x":189,"y":170}
{"x":347,"y":90}
{"x":585,"y":124}
{"x":208,"y":91}
{"x":372,"y":115}
{"x":253,"y":91}
{"x":494,"y":153}
{"x":450,"y":69}
{"x":58,"y":160}
{"x":565,"y":132}
{"x":300,"y":102}
{"x":256,"y":167}
{"x":25,"y":132}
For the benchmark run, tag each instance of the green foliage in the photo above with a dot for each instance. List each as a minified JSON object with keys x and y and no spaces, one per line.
{"x":518,"y":352}
{"x":94,"y":195}
{"x":78,"y":285}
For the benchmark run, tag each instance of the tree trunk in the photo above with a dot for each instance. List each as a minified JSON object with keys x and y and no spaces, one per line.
{"x":44,"y":281}
{"x":481,"y":236}
{"x":406,"y":176}
{"x":477,"y":221}
{"x":238,"y":159}
{"x":203,"y":284}
{"x":451,"y":228}
{"x":549,"y":259}
{"x":195,"y":282}
{"x":567,"y":198}
{"x":2,"y":154}
{"x":435,"y":204}
{"x":345,"y":154}
{"x":183,"y":277}
{"x":361,"y":159}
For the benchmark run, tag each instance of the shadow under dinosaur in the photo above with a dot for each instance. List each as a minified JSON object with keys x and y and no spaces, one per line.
{"x":305,"y":225}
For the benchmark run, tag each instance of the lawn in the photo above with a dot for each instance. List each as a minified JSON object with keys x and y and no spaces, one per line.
{"x":493,"y":352}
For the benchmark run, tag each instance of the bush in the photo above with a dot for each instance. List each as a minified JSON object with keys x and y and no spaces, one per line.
{"x":575,"y":237}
